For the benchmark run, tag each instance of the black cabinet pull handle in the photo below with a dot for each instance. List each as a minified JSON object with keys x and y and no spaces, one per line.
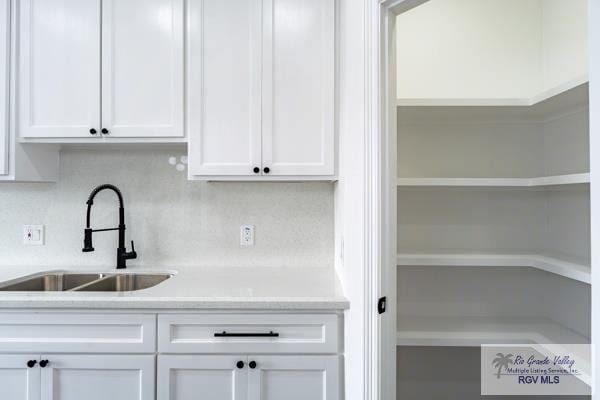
{"x":256,"y":170}
{"x":105,"y":131}
{"x":240,"y":364}
{"x":266,"y":170}
{"x":234,"y":334}
{"x":252,"y":364}
{"x":31,"y":363}
{"x":93,"y":131}
{"x":43,"y":363}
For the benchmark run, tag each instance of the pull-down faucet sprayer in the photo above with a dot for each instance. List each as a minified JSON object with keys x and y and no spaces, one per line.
{"x":122,"y":254}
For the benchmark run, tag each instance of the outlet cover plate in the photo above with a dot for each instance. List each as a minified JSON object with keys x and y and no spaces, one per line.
{"x":33,"y":235}
{"x":247,"y":235}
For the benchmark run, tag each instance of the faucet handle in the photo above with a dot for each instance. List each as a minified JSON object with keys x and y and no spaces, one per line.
{"x":132,"y":254}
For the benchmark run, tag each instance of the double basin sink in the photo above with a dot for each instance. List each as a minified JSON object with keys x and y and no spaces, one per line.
{"x":84,"y":282}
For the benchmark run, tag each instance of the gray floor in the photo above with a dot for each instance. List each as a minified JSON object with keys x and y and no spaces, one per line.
{"x":446,"y":373}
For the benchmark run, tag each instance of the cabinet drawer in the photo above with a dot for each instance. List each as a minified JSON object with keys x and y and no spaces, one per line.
{"x":64,"y":333}
{"x":248,"y":333}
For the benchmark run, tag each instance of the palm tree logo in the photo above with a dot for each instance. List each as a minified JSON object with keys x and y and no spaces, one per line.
{"x":502,"y":361}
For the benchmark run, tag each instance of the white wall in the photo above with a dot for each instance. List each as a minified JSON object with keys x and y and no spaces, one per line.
{"x":467,"y":142}
{"x":469,"y":49}
{"x":490,"y":49}
{"x":349,"y":191}
{"x":493,"y":292}
{"x":174,"y":222}
{"x":565,"y":40}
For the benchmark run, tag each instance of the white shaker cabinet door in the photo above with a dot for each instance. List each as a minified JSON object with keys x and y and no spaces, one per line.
{"x":298,"y":87}
{"x":224,"y":82}
{"x":4,"y":79}
{"x":202,"y":377}
{"x":98,"y":377}
{"x":59,"y":68}
{"x":294,"y":378}
{"x":143,"y":68}
{"x":18,"y":380}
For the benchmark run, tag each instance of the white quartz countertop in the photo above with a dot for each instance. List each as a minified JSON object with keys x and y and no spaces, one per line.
{"x":199,"y":288}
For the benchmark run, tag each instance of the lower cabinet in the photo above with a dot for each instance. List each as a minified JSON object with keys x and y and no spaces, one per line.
{"x":208,"y":377}
{"x":76,"y":377}
{"x":19,"y":377}
{"x":200,"y":356}
{"x":183,"y":377}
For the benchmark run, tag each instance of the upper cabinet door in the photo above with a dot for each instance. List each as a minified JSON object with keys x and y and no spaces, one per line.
{"x":224,"y":83}
{"x":143,"y":68}
{"x":59,"y":68}
{"x":298,"y":87}
{"x":4,"y":87}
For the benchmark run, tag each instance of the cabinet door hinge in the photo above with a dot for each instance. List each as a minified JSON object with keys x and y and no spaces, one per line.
{"x":382,"y":305}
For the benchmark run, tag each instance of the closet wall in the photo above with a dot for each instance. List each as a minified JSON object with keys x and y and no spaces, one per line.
{"x":493,"y":185}
{"x":491,"y":49}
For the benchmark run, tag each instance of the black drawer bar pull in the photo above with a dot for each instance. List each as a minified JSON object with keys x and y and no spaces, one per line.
{"x":234,"y":334}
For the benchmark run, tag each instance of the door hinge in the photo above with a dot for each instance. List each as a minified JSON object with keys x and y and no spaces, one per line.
{"x":382,"y":305}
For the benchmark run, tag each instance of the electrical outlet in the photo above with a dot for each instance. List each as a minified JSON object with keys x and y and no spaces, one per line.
{"x":247,"y":235}
{"x":33,"y":235}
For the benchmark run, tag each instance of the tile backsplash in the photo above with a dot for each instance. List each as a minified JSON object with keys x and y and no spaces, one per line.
{"x":173,"y":221}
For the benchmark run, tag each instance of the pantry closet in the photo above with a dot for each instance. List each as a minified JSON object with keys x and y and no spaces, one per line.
{"x":493,"y":176}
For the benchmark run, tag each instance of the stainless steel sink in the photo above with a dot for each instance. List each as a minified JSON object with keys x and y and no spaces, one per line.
{"x":84,"y":282}
{"x":125,"y":283}
{"x":52,"y":282}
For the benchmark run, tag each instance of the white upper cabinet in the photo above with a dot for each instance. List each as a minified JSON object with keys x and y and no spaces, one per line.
{"x":261,"y":89}
{"x":59,"y":68}
{"x":4,"y":92}
{"x":298,"y":87}
{"x":142,"y":67}
{"x":225,"y":86}
{"x":94,"y":69}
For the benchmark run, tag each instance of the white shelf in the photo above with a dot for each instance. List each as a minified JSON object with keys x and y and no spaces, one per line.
{"x":475,"y":331}
{"x":506,"y":102}
{"x":572,"y":270}
{"x":570,"y":179}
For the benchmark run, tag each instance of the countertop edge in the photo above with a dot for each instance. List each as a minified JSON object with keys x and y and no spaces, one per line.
{"x":169,"y":304}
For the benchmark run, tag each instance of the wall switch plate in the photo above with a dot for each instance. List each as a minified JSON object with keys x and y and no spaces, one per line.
{"x":247,"y":235}
{"x":33,"y":235}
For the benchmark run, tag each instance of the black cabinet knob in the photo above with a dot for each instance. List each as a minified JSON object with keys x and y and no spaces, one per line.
{"x":43,"y":363}
{"x":267,"y":170}
{"x":252,"y":364}
{"x":256,"y":170}
{"x":31,"y":363}
{"x":93,"y":131}
{"x":240,"y":364}
{"x":105,"y":131}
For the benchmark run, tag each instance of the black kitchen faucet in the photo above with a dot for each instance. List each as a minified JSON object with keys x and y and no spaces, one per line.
{"x":122,"y":254}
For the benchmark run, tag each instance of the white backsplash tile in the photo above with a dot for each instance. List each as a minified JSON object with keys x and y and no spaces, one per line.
{"x":173,"y":222}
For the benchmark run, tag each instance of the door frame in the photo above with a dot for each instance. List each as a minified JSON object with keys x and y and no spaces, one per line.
{"x":381,"y":191}
{"x":381,"y":194}
{"x":594,"y":110}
